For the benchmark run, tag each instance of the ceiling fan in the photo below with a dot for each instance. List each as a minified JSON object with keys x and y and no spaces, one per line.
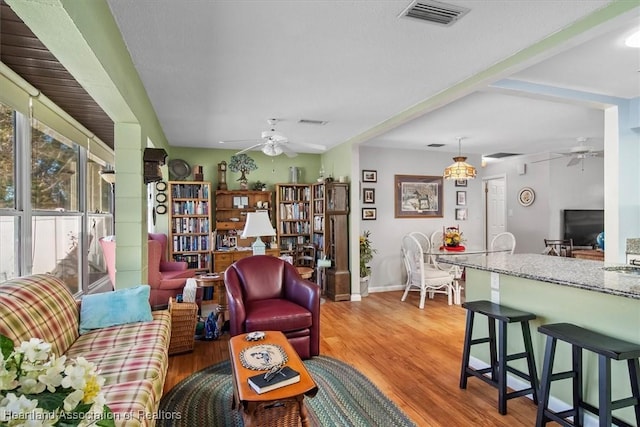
{"x":274,"y":143}
{"x":577,"y":153}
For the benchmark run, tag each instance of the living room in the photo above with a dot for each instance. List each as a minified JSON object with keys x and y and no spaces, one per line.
{"x":119,"y":90}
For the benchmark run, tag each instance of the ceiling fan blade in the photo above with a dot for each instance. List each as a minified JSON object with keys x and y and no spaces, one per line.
{"x":249,"y":149}
{"x":574,"y":161}
{"x":547,"y":160}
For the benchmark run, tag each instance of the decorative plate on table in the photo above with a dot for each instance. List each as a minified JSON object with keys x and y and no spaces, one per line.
{"x":263,"y":357}
{"x":526,"y":196}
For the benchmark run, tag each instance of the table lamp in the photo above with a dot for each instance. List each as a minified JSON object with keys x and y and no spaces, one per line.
{"x":258,"y":224}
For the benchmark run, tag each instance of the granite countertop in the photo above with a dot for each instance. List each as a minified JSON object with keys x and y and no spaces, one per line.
{"x":577,"y":273}
{"x":633,"y":246}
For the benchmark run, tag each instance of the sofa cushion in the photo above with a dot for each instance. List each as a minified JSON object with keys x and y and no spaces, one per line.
{"x":115,"y":308}
{"x":132,"y":403}
{"x":39,"y":306}
{"x":276,"y":315}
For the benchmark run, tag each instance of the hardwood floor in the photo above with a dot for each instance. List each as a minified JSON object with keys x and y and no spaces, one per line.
{"x":412,"y":355}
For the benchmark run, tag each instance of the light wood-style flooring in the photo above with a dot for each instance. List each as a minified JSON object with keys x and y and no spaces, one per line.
{"x":412,"y":355}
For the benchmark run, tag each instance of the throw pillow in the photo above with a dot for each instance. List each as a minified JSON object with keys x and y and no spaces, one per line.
{"x":115,"y":308}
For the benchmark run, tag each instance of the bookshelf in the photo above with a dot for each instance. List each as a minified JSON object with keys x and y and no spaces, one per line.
{"x":190,"y":223}
{"x":293,"y":216}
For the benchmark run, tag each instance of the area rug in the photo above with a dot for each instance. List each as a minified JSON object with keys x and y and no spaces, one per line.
{"x":345,"y":398}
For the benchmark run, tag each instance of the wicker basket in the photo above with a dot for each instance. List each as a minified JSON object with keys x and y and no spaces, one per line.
{"x":278,"y":413}
{"x":184,"y":316}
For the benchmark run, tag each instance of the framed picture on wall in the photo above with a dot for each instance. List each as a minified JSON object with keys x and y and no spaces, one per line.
{"x":461,"y":214}
{"x":368,"y":195}
{"x":418,"y":196}
{"x":461,"y":198}
{"x":369,"y":213}
{"x":461,"y":182}
{"x":369,"y":176}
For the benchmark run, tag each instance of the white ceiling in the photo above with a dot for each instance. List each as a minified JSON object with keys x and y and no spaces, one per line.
{"x":217,"y":70}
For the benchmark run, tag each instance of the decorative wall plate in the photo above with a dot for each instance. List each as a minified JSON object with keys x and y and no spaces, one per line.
{"x":179,"y":168}
{"x":263,"y":357}
{"x":526,"y":196}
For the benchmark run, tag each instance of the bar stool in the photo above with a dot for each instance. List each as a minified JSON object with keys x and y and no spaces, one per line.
{"x":499,"y":367}
{"x":607,"y":348}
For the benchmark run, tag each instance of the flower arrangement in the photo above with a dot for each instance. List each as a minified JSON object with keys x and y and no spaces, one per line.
{"x":37,"y":388}
{"x":453,"y":237}
{"x":366,"y":254}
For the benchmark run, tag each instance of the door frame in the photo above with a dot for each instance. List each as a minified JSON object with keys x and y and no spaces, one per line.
{"x":485,"y":210}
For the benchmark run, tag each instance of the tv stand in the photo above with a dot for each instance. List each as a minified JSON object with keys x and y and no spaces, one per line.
{"x":592,"y":254}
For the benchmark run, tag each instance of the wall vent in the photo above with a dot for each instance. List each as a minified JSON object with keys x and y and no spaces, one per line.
{"x":500,"y":155}
{"x":435,"y":12}
{"x":435,"y":145}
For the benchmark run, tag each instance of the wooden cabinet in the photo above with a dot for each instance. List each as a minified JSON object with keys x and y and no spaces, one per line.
{"x":337,"y":240}
{"x":318,"y":219}
{"x":223,"y":259}
{"x":592,"y":254}
{"x":293,"y":216}
{"x":231,"y":213}
{"x":190,"y":223}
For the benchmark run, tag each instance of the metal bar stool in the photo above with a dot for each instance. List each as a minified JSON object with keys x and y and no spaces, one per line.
{"x":498,"y":367}
{"x":607,"y":348}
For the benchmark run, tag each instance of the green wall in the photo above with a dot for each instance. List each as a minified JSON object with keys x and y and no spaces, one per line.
{"x":612,"y":315}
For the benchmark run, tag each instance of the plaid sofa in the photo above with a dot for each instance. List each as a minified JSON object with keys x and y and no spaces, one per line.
{"x":133,"y":357}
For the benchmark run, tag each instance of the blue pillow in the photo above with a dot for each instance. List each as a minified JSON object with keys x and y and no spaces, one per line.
{"x":115,"y":308}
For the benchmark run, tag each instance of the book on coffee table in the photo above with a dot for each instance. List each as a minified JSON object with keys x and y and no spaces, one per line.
{"x":284,"y":377}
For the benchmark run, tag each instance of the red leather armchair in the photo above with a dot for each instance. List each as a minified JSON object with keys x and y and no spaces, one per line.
{"x":163,"y":286}
{"x":265,"y":293}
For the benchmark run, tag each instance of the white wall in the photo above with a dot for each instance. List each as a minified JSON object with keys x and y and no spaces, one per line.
{"x":387,"y":231}
{"x":557,"y":187}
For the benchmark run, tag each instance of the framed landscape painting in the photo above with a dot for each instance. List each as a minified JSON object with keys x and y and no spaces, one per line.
{"x":418,"y":196}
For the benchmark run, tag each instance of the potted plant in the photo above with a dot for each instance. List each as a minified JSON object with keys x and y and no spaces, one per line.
{"x":366,"y":255}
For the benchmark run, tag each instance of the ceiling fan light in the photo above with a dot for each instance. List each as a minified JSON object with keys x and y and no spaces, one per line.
{"x":272,"y":150}
{"x":460,"y":169}
{"x":633,"y":40}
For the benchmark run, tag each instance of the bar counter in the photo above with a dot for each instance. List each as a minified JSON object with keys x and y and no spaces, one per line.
{"x":577,"y":273}
{"x":557,"y":289}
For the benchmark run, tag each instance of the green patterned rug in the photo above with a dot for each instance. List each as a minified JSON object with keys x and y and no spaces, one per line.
{"x":345,"y":398}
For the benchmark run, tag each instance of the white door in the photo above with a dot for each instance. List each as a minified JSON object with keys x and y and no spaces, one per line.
{"x":495,"y":208}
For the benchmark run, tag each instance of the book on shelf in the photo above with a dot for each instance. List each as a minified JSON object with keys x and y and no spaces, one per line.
{"x":284,"y":377}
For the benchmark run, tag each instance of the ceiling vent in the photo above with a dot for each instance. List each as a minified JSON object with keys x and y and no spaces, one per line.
{"x":435,"y":145}
{"x":312,"y":122}
{"x":500,"y":155}
{"x":435,"y":12}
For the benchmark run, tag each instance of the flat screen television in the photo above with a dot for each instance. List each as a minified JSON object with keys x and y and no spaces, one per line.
{"x":583,"y":226}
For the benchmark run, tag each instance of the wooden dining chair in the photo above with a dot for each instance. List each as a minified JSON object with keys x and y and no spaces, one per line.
{"x":559,"y":247}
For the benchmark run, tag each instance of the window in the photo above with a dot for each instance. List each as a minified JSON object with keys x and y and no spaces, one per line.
{"x":61,"y":206}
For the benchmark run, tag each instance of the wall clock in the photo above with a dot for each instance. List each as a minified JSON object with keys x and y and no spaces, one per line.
{"x":526,"y":196}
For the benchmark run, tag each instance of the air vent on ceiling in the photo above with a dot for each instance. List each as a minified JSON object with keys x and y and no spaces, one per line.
{"x":312,"y":122}
{"x":434,"y":11}
{"x":435,"y":145}
{"x":500,"y":155}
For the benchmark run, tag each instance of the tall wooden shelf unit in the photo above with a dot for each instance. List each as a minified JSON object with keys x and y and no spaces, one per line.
{"x":190,"y":223}
{"x":235,"y":204}
{"x":336,"y":240}
{"x":318,"y":225}
{"x":293,"y":216}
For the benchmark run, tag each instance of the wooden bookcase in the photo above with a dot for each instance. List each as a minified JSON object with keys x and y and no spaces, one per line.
{"x":190,"y":223}
{"x":232,"y":207}
{"x":336,"y":240}
{"x":293,"y":216}
{"x":318,"y":224}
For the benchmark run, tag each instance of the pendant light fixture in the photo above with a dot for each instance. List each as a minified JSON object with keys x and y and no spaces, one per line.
{"x":460,"y":169}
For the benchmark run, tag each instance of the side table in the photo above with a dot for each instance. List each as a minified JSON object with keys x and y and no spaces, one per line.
{"x":184,"y":316}
{"x":216,"y":281}
{"x":282,"y":406}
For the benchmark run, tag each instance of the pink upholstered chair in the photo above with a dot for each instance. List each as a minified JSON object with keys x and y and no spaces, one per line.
{"x":163,"y":285}
{"x":265,"y":293}
{"x":170,"y":269}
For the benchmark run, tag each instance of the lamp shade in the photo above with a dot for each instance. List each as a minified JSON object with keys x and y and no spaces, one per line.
{"x":258,"y":224}
{"x":460,"y":169}
{"x":272,"y":150}
{"x":109,"y":176}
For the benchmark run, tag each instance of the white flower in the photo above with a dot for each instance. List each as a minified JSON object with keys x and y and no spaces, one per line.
{"x":52,"y":377}
{"x":74,"y":377}
{"x":7,"y":376}
{"x":73,"y":399}
{"x":29,"y":384}
{"x":35,"y":350}
{"x":12,"y":406}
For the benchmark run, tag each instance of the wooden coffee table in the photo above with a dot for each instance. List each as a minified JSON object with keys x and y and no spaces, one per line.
{"x":288,"y":400}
